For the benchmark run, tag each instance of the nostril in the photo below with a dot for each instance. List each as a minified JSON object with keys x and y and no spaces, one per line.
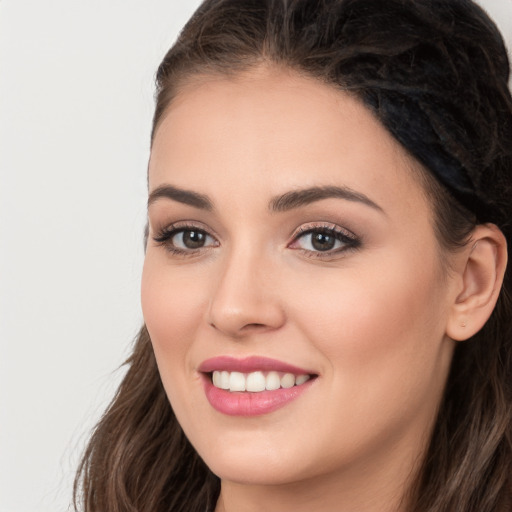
{"x":254,"y":326}
{"x":247,"y":327}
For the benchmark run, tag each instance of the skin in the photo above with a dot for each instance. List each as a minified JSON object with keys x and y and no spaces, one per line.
{"x":370,"y":321}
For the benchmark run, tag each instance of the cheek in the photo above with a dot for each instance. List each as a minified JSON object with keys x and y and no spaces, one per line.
{"x":380,"y":330}
{"x":173,"y":304}
{"x":386,"y":361}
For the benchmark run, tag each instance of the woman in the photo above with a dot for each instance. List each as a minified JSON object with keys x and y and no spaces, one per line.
{"x":326,"y":302}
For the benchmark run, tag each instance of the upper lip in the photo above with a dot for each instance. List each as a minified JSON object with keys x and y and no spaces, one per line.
{"x":249,"y":364}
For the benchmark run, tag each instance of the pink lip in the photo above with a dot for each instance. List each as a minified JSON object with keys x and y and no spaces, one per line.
{"x":247,"y":403}
{"x":249,"y":364}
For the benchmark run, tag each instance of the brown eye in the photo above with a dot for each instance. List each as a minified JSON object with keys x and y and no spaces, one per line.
{"x":325,"y":240}
{"x":317,"y":240}
{"x":190,"y":239}
{"x":185,"y":240}
{"x":322,"y":241}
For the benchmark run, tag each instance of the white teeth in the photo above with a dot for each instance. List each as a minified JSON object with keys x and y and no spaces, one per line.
{"x":288,"y":380}
{"x":301,"y":379}
{"x":236,"y":381}
{"x":224,"y":380}
{"x":255,"y":382}
{"x":273,"y":381}
{"x":216,"y":378}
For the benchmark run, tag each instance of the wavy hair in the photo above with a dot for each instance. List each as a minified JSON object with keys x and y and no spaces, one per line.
{"x":434,"y":72}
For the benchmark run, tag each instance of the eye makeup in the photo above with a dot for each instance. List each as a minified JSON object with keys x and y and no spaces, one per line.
{"x":324,"y":240}
{"x":315,"y":240}
{"x":185,"y":239}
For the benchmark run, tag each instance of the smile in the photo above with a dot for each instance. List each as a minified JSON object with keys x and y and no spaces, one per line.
{"x":256,"y":382}
{"x":252,"y":386}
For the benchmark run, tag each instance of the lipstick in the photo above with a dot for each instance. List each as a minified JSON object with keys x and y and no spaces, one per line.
{"x":252,"y":386}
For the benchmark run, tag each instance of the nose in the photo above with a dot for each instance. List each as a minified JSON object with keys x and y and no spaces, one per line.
{"x":246,"y":297}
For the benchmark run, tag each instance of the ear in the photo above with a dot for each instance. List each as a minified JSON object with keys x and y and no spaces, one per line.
{"x":480,"y":273}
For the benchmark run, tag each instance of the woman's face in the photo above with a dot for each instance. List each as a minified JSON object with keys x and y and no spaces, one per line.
{"x":289,"y":239}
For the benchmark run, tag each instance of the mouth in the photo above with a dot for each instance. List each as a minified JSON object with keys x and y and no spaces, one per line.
{"x":252,"y":386}
{"x":256,"y":382}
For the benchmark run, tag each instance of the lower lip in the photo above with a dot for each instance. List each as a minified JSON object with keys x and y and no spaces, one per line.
{"x":251,"y":404}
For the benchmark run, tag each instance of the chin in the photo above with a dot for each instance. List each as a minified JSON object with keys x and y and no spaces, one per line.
{"x":234,"y":457}
{"x":255,"y":472}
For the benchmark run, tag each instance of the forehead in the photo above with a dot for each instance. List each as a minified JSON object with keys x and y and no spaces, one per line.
{"x":271,"y":129}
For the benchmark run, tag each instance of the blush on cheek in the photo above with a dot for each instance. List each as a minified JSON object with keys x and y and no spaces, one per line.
{"x":373,"y":319}
{"x":174,"y":303}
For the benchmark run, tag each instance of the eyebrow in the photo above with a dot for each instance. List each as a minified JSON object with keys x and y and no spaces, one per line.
{"x":297,"y":198}
{"x":182,"y":196}
{"x":282,"y":203}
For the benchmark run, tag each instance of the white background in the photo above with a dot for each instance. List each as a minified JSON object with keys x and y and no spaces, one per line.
{"x":76,"y":86}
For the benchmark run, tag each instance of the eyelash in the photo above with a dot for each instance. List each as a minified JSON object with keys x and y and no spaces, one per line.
{"x":165,"y":236}
{"x":349,"y":240}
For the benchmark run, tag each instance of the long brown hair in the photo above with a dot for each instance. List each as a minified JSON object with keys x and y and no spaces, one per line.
{"x":435,"y":73}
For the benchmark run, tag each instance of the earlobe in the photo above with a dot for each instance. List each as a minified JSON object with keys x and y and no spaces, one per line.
{"x":481,"y":271}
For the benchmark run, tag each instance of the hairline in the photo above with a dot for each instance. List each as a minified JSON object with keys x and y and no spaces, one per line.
{"x":199,"y":74}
